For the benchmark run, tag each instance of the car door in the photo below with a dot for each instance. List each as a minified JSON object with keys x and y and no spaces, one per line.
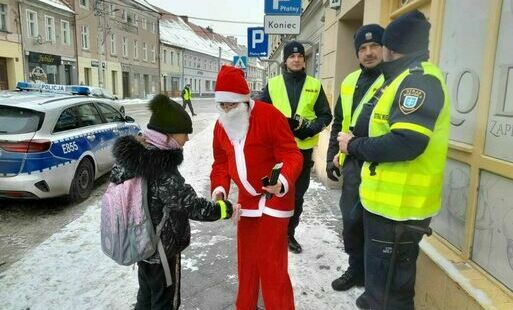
{"x":115,"y":126}
{"x":95,"y":131}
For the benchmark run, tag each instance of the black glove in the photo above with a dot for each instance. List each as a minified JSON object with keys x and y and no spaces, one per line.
{"x":225,"y":208}
{"x":304,"y":132}
{"x":293,"y":123}
{"x":332,"y":170}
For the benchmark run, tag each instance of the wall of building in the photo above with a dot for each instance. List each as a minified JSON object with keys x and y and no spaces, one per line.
{"x":171,"y":69}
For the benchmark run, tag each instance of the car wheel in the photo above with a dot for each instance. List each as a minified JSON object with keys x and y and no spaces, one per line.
{"x":83,"y":181}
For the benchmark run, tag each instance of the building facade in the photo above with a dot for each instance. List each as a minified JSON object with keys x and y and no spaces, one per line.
{"x":468,"y":262}
{"x":48,"y":42}
{"x":11,"y":53}
{"x":118,"y":46}
{"x":200,"y":71}
{"x":171,"y":69}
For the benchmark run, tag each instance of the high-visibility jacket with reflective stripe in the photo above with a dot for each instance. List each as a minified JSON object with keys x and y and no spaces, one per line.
{"x":305,"y":106}
{"x":347,"y":89}
{"x":187,"y":94}
{"x":408,"y":189}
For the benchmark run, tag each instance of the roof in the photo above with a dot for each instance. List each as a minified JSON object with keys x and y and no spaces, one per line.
{"x":57,"y":4}
{"x":174,"y":30}
{"x":147,"y":5}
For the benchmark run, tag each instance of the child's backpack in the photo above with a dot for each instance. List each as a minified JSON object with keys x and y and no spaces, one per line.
{"x":127,"y":234}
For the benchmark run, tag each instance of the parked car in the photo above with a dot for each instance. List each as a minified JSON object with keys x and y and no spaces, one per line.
{"x":53,"y":143}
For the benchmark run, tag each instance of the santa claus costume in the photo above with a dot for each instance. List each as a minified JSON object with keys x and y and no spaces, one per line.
{"x":248,"y":142}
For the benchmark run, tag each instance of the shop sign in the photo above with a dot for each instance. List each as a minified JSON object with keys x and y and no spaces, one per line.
{"x":46,"y":59}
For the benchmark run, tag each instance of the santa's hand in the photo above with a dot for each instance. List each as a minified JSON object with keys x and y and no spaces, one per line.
{"x":274,"y":189}
{"x":236,"y":214}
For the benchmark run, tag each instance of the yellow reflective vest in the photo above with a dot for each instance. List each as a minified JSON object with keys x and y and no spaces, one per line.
{"x":187,"y":94}
{"x":347,"y":89}
{"x":305,"y":107}
{"x":408,"y":189}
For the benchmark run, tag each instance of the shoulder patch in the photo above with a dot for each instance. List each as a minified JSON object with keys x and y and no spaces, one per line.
{"x":411,"y":99}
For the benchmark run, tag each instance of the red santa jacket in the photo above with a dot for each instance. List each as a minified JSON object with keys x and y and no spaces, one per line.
{"x":268,"y":141}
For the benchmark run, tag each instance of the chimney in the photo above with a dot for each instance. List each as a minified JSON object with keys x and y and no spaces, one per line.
{"x":209,"y":29}
{"x":232,"y":39}
{"x":185,"y":18}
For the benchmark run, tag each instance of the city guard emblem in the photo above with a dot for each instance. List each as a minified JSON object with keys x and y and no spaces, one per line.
{"x":368,"y":36}
{"x":411,"y":99}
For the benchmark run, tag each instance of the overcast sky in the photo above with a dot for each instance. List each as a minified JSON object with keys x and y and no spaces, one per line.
{"x":235,"y":10}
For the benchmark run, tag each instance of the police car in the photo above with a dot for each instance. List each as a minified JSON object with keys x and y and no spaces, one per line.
{"x":56,"y":140}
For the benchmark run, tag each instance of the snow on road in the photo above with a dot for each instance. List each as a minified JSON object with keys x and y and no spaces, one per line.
{"x":69,"y":270}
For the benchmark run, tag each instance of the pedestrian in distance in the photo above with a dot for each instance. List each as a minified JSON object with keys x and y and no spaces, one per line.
{"x":155,"y":156}
{"x":250,"y":139}
{"x":187,"y":98}
{"x":404,"y":156}
{"x":356,"y":90}
{"x":302,"y":100}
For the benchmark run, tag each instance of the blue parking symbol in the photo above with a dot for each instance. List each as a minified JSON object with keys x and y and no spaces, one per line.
{"x":258,"y":42}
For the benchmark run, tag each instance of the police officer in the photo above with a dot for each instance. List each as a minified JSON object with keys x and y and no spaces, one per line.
{"x":302,"y":100}
{"x":404,"y":156}
{"x":186,"y":97}
{"x":356,"y":90}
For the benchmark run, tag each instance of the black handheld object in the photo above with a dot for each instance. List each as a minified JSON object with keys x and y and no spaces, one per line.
{"x":275,"y":173}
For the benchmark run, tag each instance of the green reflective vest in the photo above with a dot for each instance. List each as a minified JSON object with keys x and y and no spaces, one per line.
{"x":408,"y":189}
{"x":187,"y":94}
{"x":347,"y":89}
{"x":305,"y":107}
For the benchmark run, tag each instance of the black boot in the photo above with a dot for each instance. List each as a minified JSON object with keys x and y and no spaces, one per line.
{"x":347,"y":281}
{"x":294,"y":246}
{"x":362,"y":302}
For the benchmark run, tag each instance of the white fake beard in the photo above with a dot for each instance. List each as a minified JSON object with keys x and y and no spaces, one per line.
{"x":235,"y":122}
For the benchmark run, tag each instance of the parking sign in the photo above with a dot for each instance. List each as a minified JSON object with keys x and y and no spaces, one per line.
{"x":257,"y":42}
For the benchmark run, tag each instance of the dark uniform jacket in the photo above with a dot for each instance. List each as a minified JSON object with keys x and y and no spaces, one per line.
{"x":294,"y":83}
{"x":166,"y":189}
{"x":400,"y":144}
{"x":365,"y":81}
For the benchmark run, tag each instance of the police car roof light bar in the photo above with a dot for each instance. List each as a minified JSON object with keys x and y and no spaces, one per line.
{"x":53,"y":88}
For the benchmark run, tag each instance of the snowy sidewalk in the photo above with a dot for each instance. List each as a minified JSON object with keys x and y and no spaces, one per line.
{"x":69,"y":270}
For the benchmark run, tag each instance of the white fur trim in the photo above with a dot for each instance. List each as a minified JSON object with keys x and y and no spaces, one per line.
{"x":226,"y":96}
{"x":218,"y":190}
{"x":285,"y":183}
{"x":240,"y":161}
{"x":262,"y":209}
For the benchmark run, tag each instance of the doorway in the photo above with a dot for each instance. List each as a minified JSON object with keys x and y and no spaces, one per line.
{"x":126,"y":84}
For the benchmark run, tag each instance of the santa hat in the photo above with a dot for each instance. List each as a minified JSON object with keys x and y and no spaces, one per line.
{"x":231,"y":85}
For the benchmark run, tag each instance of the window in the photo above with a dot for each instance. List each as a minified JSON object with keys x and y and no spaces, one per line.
{"x":136,"y":20}
{"x":50,"y":28}
{"x":112,"y":10}
{"x":67,"y":120}
{"x":114,"y":79}
{"x":85,"y":37}
{"x":153,"y":53}
{"x":32,"y":24}
{"x":109,"y":113}
{"x":3,"y":17}
{"x":164,"y":56}
{"x":145,"y":51}
{"x":153,"y":27}
{"x":172,"y":56}
{"x":207,"y":85}
{"x":136,"y":50}
{"x":125,"y":47}
{"x":65,"y":32}
{"x":143,"y":22}
{"x":124,"y":16}
{"x":113,"y":44}
{"x":88,"y":115}
{"x":84,"y":4}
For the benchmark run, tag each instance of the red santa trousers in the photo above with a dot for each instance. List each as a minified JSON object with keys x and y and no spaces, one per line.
{"x":263,"y":259}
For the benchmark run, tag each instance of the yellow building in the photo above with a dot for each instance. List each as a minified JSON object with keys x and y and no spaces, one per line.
{"x":468,"y":262}
{"x":11,"y":55}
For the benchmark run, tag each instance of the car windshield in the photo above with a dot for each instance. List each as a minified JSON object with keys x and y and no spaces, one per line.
{"x":16,"y":120}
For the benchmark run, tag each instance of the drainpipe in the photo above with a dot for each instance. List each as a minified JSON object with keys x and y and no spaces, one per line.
{"x":24,"y":63}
